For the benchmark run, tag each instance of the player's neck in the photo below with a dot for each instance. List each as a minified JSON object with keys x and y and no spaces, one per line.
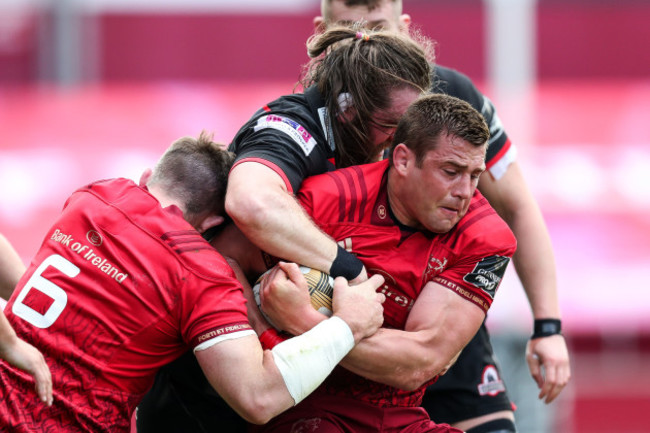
{"x":397,"y":209}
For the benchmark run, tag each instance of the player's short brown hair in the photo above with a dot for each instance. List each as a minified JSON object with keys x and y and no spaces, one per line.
{"x":195,"y":171}
{"x":433,"y":115}
{"x":365,"y":66}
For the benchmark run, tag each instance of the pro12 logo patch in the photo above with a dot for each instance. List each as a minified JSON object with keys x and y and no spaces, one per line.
{"x":488,"y":273}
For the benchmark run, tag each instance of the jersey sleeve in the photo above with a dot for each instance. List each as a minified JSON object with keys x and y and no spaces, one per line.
{"x":501,"y":153}
{"x":283,"y":144}
{"x":481,"y":255}
{"x":476,"y":278}
{"x":213,"y":305}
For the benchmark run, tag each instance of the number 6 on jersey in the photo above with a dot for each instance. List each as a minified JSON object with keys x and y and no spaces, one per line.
{"x":42,"y":284}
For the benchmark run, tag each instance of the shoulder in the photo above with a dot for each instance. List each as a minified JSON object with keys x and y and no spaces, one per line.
{"x":483,"y":231}
{"x":451,"y":76}
{"x":324,"y":191}
{"x":128,"y":205}
{"x":294,"y":106}
{"x":289,"y":114}
{"x":355,"y":181}
{"x":454,"y":83}
{"x":111,"y":195}
{"x":290,"y":135}
{"x":196,"y":255}
{"x":343,"y":192}
{"x":111,"y":188}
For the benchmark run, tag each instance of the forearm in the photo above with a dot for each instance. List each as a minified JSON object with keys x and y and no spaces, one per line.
{"x":261,"y":384}
{"x":547,"y":357}
{"x":431,"y":338}
{"x":534,"y":262}
{"x":7,"y":336}
{"x":274,"y":221}
{"x":401,"y":359}
{"x":11,"y":268}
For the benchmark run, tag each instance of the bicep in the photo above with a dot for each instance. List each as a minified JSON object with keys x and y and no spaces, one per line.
{"x":255,"y":194}
{"x":221,"y":362}
{"x":508,"y":193}
{"x":271,"y":218}
{"x":246,"y":377}
{"x":248,"y":175}
{"x":445,"y":318}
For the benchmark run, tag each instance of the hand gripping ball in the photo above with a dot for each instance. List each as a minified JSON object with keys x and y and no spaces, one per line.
{"x":321,"y":288}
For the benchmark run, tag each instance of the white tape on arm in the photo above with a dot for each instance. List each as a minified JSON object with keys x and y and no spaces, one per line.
{"x":305,"y":361}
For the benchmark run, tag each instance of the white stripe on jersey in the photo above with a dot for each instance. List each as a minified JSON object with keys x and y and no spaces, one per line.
{"x":489,"y":112}
{"x":499,"y":168}
{"x":233,"y":335}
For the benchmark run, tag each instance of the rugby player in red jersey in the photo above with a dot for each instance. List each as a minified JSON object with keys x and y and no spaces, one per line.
{"x":124,"y":283}
{"x":418,"y":220}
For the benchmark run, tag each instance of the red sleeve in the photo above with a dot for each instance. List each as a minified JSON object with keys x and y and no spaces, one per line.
{"x":212,"y":306}
{"x":482,"y":252}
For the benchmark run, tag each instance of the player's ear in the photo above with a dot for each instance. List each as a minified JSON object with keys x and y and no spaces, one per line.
{"x":402,"y":158}
{"x":209,"y":222}
{"x":144,"y":178}
{"x":319,"y":25}
{"x":346,"y":105}
{"x":404,"y":22}
{"x":348,"y":115}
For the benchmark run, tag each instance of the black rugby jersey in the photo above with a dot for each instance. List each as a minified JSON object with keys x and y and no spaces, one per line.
{"x":454,"y":83}
{"x":292,"y":134}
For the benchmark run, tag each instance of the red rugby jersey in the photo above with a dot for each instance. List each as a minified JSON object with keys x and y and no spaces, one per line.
{"x":119,"y":287}
{"x":351,"y":205}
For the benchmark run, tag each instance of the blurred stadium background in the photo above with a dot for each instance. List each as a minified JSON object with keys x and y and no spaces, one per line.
{"x":92,"y":89}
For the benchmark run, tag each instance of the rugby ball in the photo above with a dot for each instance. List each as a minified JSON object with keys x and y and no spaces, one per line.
{"x":321,"y":288}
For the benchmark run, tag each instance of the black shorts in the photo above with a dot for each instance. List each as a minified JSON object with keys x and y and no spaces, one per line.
{"x":472,"y":387}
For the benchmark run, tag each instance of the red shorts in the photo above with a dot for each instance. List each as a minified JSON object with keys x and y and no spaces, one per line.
{"x":334,"y":414}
